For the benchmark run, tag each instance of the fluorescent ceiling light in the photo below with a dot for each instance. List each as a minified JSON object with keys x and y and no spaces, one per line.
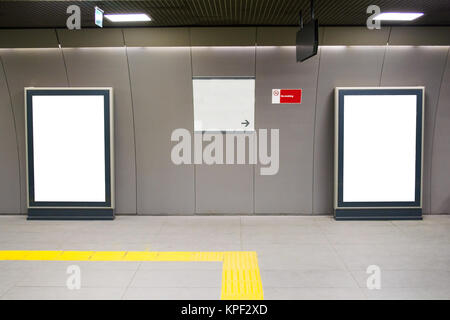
{"x":127,"y":17}
{"x":398,"y":16}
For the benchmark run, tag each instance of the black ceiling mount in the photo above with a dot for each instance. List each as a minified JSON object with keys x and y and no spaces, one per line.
{"x":307,"y":38}
{"x":312,"y":14}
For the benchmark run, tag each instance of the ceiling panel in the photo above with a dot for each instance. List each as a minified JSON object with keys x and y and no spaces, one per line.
{"x":32,"y":14}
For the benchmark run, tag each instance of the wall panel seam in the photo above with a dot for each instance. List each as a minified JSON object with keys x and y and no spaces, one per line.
{"x":314,"y":133}
{"x":63,"y":57}
{"x":384,"y":56}
{"x":134,"y":126}
{"x":195,"y":166}
{"x":433,"y":133}
{"x":389,"y":35}
{"x":16,"y":136}
{"x":382,"y":64}
{"x":254,"y":125}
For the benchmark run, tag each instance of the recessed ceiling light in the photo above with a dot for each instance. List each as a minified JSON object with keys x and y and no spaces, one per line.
{"x":128,"y":17}
{"x":398,"y":16}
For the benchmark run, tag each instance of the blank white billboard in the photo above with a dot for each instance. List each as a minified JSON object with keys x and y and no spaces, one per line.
{"x":224,"y":104}
{"x":379,"y":160}
{"x":69,"y":148}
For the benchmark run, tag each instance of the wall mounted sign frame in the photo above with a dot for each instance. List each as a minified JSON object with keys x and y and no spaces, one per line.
{"x":378,"y":153}
{"x":224,"y":104}
{"x":70,"y":153}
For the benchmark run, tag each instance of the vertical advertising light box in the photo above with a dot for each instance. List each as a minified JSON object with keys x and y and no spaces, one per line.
{"x":378,"y":152}
{"x":69,"y":135}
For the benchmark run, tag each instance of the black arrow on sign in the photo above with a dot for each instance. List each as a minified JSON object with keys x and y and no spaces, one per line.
{"x":246,"y":123}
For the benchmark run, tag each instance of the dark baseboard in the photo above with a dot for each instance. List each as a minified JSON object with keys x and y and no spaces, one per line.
{"x":378,"y":214}
{"x":70,"y":214}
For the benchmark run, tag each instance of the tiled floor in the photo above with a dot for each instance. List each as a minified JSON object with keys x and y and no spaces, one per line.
{"x":299,"y":257}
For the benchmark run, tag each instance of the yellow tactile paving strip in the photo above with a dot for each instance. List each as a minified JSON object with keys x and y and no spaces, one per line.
{"x":241,"y":279}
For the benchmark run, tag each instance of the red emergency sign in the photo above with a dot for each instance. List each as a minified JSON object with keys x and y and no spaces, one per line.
{"x":286,"y":96}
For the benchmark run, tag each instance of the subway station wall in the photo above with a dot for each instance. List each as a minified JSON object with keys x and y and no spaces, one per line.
{"x":152,"y":80}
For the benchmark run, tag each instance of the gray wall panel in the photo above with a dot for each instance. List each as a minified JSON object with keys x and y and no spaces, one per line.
{"x":418,"y":66}
{"x":420,"y":36}
{"x":290,"y":190}
{"x":281,"y":36}
{"x":161,"y":94}
{"x":440,"y":173}
{"x":339,"y":67}
{"x":90,"y":38}
{"x":352,"y":36}
{"x":28,"y":38}
{"x":161,"y":81}
{"x":276,"y":36}
{"x":223,"y":61}
{"x":228,"y":36}
{"x":219,"y":36}
{"x":156,"y":37}
{"x":224,"y":188}
{"x":9,"y":162}
{"x":28,"y":68}
{"x":108,"y":67}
